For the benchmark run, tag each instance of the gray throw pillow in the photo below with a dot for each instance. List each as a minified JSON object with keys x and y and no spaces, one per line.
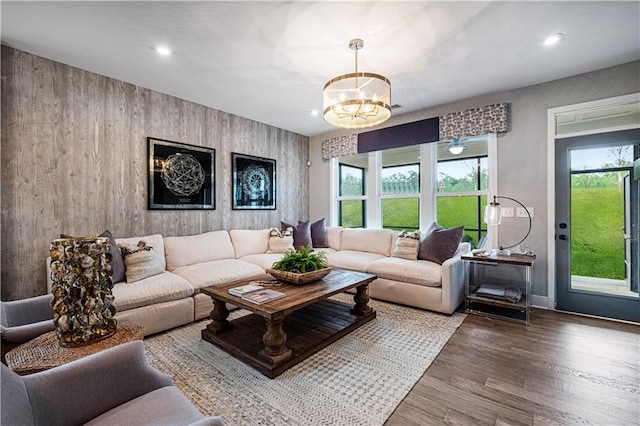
{"x":440,"y":244}
{"x":319,"y":237}
{"x":301,"y":234}
{"x":117,"y":261}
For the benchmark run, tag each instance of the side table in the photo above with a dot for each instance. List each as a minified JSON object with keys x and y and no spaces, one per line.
{"x":44,"y":352}
{"x":476,"y":304}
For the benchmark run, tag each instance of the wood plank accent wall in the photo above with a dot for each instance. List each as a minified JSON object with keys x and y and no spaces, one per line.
{"x":74,"y":160}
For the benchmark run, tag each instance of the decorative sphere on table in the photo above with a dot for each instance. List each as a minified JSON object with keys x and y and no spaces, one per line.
{"x":83,"y":309}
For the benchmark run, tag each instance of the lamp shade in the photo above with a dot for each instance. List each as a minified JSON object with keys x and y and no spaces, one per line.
{"x":492,"y":214}
{"x":358,"y":99}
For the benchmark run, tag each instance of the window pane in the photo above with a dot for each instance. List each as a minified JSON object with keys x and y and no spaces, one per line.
{"x":601,"y":158}
{"x":401,"y":179}
{"x":463,"y":175}
{"x":401,"y":213}
{"x":351,"y":180}
{"x":351,"y":213}
{"x":401,"y":170}
{"x":463,"y":211}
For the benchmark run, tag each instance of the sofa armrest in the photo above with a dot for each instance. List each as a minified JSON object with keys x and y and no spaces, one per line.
{"x":26,"y":311}
{"x":453,"y":280}
{"x":81,"y":390}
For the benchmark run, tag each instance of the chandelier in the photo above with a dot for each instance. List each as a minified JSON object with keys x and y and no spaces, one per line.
{"x":359,"y":99}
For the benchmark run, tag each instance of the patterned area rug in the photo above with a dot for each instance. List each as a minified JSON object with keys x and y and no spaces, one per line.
{"x":358,"y":380}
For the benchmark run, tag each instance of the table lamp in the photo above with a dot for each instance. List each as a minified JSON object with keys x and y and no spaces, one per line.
{"x":493,"y":216}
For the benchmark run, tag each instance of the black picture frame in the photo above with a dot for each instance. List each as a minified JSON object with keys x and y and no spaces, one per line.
{"x":254,"y":182}
{"x":181,"y":176}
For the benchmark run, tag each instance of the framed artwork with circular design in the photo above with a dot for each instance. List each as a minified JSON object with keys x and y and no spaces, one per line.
{"x":254,"y":182}
{"x":181,"y":176}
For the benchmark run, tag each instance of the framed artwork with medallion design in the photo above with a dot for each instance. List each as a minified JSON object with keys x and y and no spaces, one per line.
{"x":254,"y":182}
{"x":181,"y":176}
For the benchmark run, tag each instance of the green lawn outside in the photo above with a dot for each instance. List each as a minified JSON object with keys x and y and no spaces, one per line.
{"x":597,"y":244}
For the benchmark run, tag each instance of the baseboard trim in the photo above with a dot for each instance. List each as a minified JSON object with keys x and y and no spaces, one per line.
{"x":539,"y":302}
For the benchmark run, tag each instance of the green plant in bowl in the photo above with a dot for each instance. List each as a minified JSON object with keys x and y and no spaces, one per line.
{"x":302,"y":261}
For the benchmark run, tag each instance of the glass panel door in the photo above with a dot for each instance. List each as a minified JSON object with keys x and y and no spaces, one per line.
{"x":597,"y":225}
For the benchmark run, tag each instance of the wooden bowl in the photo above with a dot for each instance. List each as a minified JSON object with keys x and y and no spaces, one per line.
{"x":299,"y":279}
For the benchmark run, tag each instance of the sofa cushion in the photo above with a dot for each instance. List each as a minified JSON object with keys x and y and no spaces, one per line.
{"x":280,"y":241}
{"x":154,"y":241}
{"x":369,"y":240}
{"x":334,"y":235}
{"x":159,"y":288}
{"x":219,"y":271}
{"x":265,"y":260}
{"x":421,"y":272}
{"x":440,"y":244}
{"x":192,"y":249}
{"x":406,"y":245}
{"x":319,"y":237}
{"x":249,"y":241}
{"x":354,"y":260}
{"x":301,"y":234}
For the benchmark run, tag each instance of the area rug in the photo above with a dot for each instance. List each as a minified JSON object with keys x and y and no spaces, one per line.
{"x":358,"y":380}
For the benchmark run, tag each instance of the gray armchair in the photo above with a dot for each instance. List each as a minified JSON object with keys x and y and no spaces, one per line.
{"x":117,"y":386}
{"x":22,"y":320}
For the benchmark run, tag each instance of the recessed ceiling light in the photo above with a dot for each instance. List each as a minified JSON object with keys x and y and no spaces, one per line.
{"x":314,"y":112}
{"x":553,"y":39}
{"x":163,"y":50}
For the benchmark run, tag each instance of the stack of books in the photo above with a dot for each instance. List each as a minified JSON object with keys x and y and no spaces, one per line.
{"x":256,"y":294}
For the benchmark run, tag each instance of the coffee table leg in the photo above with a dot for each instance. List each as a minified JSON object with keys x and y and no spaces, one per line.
{"x":219,"y":316}
{"x":274,"y":340}
{"x":361,"y":298}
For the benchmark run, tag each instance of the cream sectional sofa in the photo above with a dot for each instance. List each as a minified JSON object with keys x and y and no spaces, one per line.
{"x":173,"y":298}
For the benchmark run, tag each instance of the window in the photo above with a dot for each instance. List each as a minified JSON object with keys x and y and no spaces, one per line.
{"x":352,"y":193}
{"x":400,"y":192}
{"x":462,"y":185}
{"x":408,"y":188}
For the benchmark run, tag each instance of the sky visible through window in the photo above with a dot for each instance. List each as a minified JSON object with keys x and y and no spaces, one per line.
{"x":596,"y":158}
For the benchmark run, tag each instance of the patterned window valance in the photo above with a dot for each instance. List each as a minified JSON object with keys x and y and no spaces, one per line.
{"x":455,"y":125}
{"x":474,"y":122}
{"x":339,"y":147}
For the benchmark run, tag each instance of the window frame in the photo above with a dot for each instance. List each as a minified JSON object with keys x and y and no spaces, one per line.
{"x":363,"y":198}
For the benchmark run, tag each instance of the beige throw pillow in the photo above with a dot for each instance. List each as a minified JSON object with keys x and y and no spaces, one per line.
{"x":140,"y":262}
{"x":407,"y":245}
{"x":280,"y":241}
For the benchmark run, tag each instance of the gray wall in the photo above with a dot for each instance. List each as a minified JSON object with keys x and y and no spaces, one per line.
{"x":74,"y":160}
{"x":522,"y":152}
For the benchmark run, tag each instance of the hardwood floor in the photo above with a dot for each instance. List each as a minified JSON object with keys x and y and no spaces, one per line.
{"x":562,"y":369}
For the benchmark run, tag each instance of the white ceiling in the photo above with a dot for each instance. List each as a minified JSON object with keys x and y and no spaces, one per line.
{"x":268,"y":61}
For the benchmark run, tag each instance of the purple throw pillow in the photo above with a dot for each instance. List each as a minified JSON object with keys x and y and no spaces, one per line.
{"x":301,"y":234}
{"x":440,"y":244}
{"x":319,"y":237}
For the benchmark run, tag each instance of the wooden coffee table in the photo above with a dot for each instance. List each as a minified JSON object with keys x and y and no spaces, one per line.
{"x":281,"y":333}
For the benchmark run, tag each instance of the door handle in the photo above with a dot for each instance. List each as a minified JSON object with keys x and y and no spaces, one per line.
{"x":563,"y":237}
